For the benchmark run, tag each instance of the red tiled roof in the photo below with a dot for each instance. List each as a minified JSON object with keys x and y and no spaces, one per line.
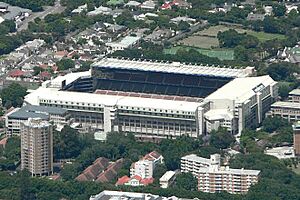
{"x":3,"y":142}
{"x":152,"y":155}
{"x":137,"y":177}
{"x":81,"y":177}
{"x":43,"y":66}
{"x":123,"y":180}
{"x":45,"y":74}
{"x":16,"y":73}
{"x":111,"y":172}
{"x":93,"y":171}
{"x":167,"y":5}
{"x":61,"y":53}
{"x":147,"y":181}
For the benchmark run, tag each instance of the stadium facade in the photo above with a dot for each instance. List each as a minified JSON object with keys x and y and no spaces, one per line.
{"x":160,"y":99}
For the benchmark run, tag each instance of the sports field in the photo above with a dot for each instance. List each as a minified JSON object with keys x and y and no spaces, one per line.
{"x":222,"y":54}
{"x":200,"y":42}
{"x":261,"y":36}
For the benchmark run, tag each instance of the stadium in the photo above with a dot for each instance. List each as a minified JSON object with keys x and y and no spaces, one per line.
{"x":155,"y":99}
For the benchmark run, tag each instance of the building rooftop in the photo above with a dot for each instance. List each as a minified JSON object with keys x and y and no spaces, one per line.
{"x":125,"y":42}
{"x":167,"y":176}
{"x":36,"y":123}
{"x":54,"y":94}
{"x":117,"y":195}
{"x":227,"y":170}
{"x":286,"y":104}
{"x":68,"y":78}
{"x":295,"y":92}
{"x":174,"y":67}
{"x":217,"y":114}
{"x":195,"y":158}
{"x":241,"y":89}
{"x":33,"y":111}
{"x":281,"y":152}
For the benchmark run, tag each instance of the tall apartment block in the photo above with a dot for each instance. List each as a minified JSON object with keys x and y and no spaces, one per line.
{"x":214,"y":178}
{"x":296,"y":128}
{"x":37,"y":147}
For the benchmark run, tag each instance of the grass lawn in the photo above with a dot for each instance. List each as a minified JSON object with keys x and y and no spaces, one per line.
{"x":261,"y":36}
{"x":200,"y":42}
{"x":222,"y":54}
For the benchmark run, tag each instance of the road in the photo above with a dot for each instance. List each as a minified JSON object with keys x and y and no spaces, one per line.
{"x":57,"y":8}
{"x":192,"y":30}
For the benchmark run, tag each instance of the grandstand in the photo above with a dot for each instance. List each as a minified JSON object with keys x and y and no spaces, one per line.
{"x":163,"y":78}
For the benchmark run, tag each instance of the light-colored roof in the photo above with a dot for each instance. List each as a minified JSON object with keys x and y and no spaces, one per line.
{"x":195,"y":158}
{"x":281,"y":152}
{"x":125,"y":42}
{"x":241,"y":89}
{"x":69,"y":78}
{"x":295,"y":92}
{"x":36,"y":123}
{"x":174,"y":67}
{"x":227,"y":170}
{"x":167,"y":176}
{"x":286,"y":104}
{"x":133,"y":3}
{"x":217,"y":114}
{"x":108,"y":100}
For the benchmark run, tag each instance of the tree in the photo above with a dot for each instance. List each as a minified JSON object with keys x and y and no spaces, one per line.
{"x":279,"y":9}
{"x":65,"y":64}
{"x":25,"y":183}
{"x":221,"y":139}
{"x":282,"y":71}
{"x":271,"y":124}
{"x":183,"y":26}
{"x":186,"y":181}
{"x":67,"y":144}
{"x":230,"y":38}
{"x":13,"y":95}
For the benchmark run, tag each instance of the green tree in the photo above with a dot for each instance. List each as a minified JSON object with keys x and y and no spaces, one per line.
{"x":271,"y":124}
{"x":65,"y":64}
{"x":67,"y":143}
{"x":221,"y":139}
{"x":186,"y":181}
{"x":13,"y":95}
{"x":279,"y":9}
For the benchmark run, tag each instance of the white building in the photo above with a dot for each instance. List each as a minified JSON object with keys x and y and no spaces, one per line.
{"x":242,"y":103}
{"x":110,"y":195}
{"x":125,"y":43}
{"x":234,"y":181}
{"x":192,"y":163}
{"x":167,"y":179}
{"x":212,"y":177}
{"x":145,"y":167}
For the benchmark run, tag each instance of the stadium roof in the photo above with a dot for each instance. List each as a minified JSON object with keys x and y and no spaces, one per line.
{"x":241,"y":89}
{"x":68,"y":78}
{"x":174,"y":67}
{"x":108,"y":100}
